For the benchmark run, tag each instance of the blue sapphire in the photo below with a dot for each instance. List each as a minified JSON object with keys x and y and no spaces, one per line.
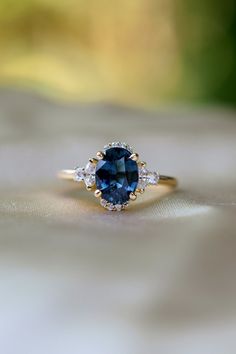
{"x":116,"y":175}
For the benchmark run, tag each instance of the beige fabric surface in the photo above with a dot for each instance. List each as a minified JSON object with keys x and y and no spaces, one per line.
{"x":159,"y":278}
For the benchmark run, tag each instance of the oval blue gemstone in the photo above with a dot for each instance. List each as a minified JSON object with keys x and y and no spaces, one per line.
{"x":116,"y":175}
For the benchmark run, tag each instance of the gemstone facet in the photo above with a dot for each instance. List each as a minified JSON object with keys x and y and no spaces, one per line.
{"x":116,"y":175}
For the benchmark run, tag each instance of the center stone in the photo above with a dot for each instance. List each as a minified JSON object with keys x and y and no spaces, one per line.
{"x":116,"y":175}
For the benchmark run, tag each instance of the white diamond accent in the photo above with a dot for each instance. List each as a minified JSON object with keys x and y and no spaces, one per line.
{"x":118,"y":144}
{"x":89,"y":174}
{"x":143,"y":179}
{"x":147,"y":178}
{"x":103,"y":203}
{"x":79,"y":174}
{"x":106,"y":147}
{"x":153,"y":178}
{"x":113,"y":207}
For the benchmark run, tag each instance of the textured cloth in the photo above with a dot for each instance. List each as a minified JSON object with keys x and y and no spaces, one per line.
{"x":75,"y":278}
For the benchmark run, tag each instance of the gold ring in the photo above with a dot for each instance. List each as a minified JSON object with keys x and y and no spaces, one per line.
{"x":116,"y":176}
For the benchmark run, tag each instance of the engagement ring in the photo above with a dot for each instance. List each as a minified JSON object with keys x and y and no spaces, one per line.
{"x":116,"y":176}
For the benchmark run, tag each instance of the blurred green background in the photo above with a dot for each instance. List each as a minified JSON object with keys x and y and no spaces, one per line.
{"x":140,"y":52}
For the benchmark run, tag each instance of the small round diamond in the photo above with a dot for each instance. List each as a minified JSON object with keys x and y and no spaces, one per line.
{"x":118,"y":207}
{"x":111,"y":207}
{"x":103,"y":203}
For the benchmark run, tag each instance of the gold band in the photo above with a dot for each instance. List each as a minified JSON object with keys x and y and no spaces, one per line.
{"x":163,"y":180}
{"x":168,"y":181}
{"x":67,"y":174}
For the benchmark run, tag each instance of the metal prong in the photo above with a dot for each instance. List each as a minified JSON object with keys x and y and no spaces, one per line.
{"x":93,"y":160}
{"x":142,"y":164}
{"x":97,"y":193}
{"x":133,"y":196}
{"x":140,"y":190}
{"x":100,"y":155}
{"x":134,"y":157}
{"x":89,"y":188}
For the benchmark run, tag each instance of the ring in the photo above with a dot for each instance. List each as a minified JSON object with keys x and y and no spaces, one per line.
{"x":116,"y":176}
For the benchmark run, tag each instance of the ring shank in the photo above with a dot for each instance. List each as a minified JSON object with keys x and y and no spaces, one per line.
{"x":163,"y":180}
{"x":67,"y":174}
{"x":168,"y":181}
